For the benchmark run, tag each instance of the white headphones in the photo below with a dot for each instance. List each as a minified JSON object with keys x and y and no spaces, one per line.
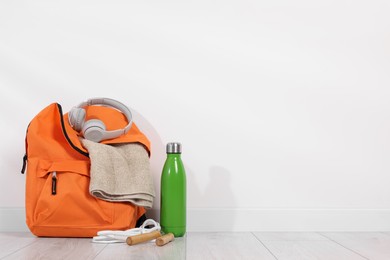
{"x":94,"y":129}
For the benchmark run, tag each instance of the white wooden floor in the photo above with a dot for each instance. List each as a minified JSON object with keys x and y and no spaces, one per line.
{"x":248,"y":245}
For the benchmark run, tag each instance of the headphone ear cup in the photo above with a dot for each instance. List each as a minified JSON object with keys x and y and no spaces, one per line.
{"x":94,"y":130}
{"x":76,"y":118}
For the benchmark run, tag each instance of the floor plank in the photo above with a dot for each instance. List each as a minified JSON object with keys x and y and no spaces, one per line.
{"x":290,"y":236}
{"x":58,"y":248}
{"x":373,"y":245}
{"x":173,"y":250}
{"x":225,"y":246}
{"x":11,"y":242}
{"x":319,"y":250}
{"x":304,"y":245}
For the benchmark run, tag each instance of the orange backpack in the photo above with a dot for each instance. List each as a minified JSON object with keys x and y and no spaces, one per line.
{"x":61,"y":206}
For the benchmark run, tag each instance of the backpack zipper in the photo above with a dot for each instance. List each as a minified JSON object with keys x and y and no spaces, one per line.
{"x":66,"y":134}
{"x":54,"y":183}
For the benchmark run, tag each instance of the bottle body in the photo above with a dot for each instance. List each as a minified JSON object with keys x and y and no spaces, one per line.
{"x":173,"y":196}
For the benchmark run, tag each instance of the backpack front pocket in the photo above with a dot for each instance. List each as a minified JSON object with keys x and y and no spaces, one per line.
{"x":64,"y":200}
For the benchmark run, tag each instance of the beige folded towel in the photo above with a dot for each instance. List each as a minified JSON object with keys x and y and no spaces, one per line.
{"x":120,"y":172}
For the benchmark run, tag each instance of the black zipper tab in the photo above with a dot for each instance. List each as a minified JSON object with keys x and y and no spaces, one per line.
{"x":24,"y":164}
{"x":54,"y":183}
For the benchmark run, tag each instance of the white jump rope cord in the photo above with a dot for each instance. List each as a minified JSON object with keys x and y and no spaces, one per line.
{"x":118,"y":236}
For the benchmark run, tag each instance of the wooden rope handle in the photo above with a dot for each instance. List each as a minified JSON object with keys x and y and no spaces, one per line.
{"x":165,"y":239}
{"x":133,"y":240}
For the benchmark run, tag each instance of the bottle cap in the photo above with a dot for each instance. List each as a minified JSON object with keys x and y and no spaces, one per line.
{"x":174,"y":148}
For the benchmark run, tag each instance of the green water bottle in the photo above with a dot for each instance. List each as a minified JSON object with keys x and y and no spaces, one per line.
{"x":173,"y":193}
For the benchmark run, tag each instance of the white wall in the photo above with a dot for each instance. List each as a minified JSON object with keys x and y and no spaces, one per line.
{"x":282,"y":106}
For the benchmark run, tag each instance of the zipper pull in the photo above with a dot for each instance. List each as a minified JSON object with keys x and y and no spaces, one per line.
{"x":54,"y":183}
{"x":24,"y":164}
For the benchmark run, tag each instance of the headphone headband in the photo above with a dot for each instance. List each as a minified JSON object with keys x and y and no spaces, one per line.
{"x":95,"y":129}
{"x":115,"y":104}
